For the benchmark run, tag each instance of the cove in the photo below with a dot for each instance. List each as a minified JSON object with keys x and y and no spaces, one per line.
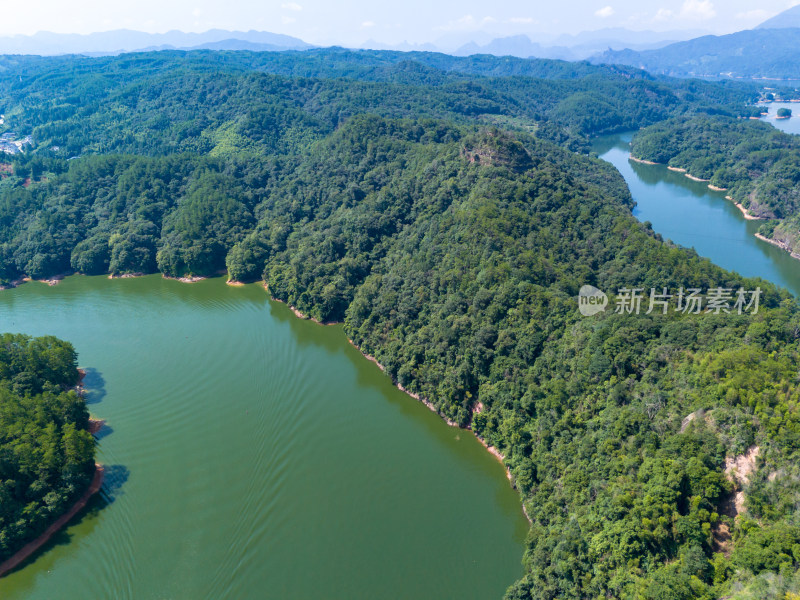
{"x":790,"y":125}
{"x":690,"y":214}
{"x":251,"y":454}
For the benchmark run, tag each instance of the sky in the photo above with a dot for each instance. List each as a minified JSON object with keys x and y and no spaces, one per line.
{"x":417,"y":21}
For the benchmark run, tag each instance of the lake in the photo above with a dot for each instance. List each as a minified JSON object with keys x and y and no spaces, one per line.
{"x":790,"y":125}
{"x":690,"y":214}
{"x":251,"y":454}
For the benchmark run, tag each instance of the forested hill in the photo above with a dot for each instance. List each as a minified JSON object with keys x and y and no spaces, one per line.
{"x":217,"y":115}
{"x":173,"y":98}
{"x":46,"y":451}
{"x":443,"y":219}
{"x":757,"y":165}
{"x":455,"y":258}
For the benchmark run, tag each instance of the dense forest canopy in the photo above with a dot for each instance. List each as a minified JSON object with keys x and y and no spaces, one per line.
{"x":98,"y":209}
{"x":46,"y":451}
{"x":757,"y":165}
{"x":436,"y":206}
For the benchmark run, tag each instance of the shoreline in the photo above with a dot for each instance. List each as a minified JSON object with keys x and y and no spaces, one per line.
{"x":51,"y":281}
{"x":475,"y":410}
{"x":782,"y":245}
{"x":195,"y":278}
{"x":698,"y":179}
{"x":31,"y":547}
{"x":744,"y":211}
{"x":492,"y":450}
{"x":641,"y":160}
{"x":747,"y":215}
{"x":56,"y":279}
{"x":185,"y":279}
{"x":713,"y":188}
{"x":295,"y":310}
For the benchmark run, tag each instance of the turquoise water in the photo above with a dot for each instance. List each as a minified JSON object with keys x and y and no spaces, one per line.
{"x":690,"y":214}
{"x":790,"y":125}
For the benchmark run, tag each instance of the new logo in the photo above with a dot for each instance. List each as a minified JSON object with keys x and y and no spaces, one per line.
{"x":591,"y":301}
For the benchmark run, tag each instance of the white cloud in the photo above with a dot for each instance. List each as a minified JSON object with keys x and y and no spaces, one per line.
{"x":466,"y":23}
{"x":288,"y":20}
{"x":664,"y":14}
{"x":604,"y":12}
{"x":292,"y":6}
{"x":368,"y":24}
{"x":752,"y":15}
{"x":691,"y":10}
{"x":522,"y":20}
{"x":700,"y":10}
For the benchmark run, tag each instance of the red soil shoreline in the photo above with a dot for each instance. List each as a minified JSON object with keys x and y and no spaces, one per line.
{"x":31,"y":547}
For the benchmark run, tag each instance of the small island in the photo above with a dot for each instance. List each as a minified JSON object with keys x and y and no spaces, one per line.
{"x":784,"y":113}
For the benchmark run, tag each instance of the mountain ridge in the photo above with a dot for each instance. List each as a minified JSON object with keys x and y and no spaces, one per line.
{"x":789,"y":18}
{"x":749,"y":54}
{"x":118,"y":41}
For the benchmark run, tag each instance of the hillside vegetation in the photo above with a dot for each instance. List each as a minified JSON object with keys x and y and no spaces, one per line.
{"x":442,"y":216}
{"x":46,"y":451}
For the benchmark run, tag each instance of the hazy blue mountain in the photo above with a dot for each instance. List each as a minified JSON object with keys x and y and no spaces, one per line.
{"x":517,"y":45}
{"x":619,"y":37}
{"x":574,"y":47}
{"x":541,"y":44}
{"x":125,"y":40}
{"x":402,"y":47}
{"x":759,"y":53}
{"x":787,"y":19}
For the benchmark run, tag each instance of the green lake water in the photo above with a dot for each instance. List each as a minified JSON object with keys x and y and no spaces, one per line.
{"x":251,"y":454}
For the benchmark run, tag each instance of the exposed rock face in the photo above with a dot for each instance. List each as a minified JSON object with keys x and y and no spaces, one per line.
{"x":738,"y":470}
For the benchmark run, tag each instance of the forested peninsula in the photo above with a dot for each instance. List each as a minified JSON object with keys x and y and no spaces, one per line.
{"x":757,"y":165}
{"x":46,"y":450}
{"x":448,"y":211}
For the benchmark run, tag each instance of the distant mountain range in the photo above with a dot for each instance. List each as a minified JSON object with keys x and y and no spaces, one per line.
{"x":757,"y":53}
{"x":770,"y":51}
{"x":577,"y":47}
{"x":564,"y":47}
{"x":125,"y":40}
